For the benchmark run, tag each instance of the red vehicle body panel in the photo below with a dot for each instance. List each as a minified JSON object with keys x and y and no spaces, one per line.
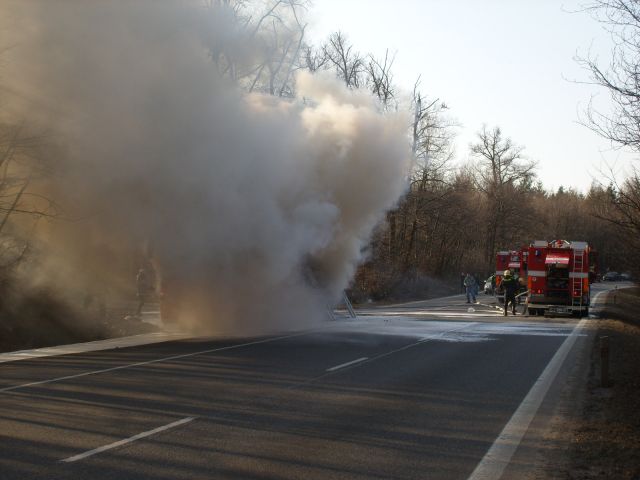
{"x":559,"y":277}
{"x":514,"y":260}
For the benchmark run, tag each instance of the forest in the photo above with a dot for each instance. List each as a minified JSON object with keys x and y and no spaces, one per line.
{"x":454,"y":214}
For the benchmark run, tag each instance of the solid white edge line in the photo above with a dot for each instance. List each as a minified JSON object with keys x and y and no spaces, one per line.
{"x":352,"y":362}
{"x":119,"y":443}
{"x":93,"y":346}
{"x":149,"y":362}
{"x":499,"y":455}
{"x":493,"y":464}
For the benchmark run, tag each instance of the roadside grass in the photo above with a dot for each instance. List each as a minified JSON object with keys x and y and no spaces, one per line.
{"x":606,"y":442}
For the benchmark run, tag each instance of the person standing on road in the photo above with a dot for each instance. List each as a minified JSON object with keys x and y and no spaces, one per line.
{"x":145,"y":281}
{"x":471,"y":287}
{"x":510,"y":287}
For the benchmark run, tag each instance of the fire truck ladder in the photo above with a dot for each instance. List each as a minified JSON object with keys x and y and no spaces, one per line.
{"x":576,"y":280}
{"x":347,"y":304}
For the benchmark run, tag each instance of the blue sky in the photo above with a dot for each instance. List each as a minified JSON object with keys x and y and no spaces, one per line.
{"x":501,"y":62}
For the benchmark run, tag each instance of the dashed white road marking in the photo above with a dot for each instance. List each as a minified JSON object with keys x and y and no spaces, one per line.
{"x":126,"y":441}
{"x":383,"y":355}
{"x":352,"y":362}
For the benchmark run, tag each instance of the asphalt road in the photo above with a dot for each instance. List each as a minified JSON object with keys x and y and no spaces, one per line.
{"x":413,"y":391}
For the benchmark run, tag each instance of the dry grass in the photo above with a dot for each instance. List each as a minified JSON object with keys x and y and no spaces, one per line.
{"x":36,"y":319}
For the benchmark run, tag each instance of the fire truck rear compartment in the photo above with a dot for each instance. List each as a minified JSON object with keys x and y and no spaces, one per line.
{"x":556,"y":293}
{"x":558,"y":278}
{"x":557,"y":285}
{"x":556,"y":301}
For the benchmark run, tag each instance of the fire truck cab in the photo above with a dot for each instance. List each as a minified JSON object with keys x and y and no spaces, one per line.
{"x":558,"y":278}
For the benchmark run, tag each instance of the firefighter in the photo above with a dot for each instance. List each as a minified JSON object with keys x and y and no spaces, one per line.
{"x":510,"y":286}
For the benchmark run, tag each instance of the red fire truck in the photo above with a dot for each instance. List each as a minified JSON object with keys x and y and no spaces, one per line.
{"x":558,"y":278}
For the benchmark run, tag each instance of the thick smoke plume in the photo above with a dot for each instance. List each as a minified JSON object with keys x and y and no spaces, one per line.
{"x":256,"y":208}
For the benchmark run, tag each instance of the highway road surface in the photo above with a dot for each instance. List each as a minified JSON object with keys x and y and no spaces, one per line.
{"x":426,"y":390}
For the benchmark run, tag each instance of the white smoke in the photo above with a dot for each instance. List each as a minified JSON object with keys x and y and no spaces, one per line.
{"x":257,"y":207}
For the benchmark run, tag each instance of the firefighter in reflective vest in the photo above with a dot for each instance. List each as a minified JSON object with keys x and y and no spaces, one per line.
{"x":510,"y":286}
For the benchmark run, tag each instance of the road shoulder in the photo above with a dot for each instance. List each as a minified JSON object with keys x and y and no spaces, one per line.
{"x":606,"y":440}
{"x":584,"y":431}
{"x":542,"y":453}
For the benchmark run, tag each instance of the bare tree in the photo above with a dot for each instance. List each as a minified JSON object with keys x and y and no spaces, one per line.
{"x":432,"y":134}
{"x":22,"y":166}
{"x":276,"y":30}
{"x":315,"y":58}
{"x":348,"y":63}
{"x":501,"y":173}
{"x":621,"y":78}
{"x":380,"y":79}
{"x":283,"y":43}
{"x":619,"y":207}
